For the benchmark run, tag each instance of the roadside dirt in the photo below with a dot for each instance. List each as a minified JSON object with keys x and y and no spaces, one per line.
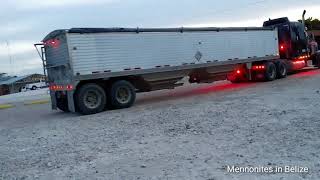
{"x":192,"y":132}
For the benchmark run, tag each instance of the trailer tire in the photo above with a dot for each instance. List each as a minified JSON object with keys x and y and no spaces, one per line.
{"x":34,"y":88}
{"x":271,"y":71}
{"x":122,"y":94}
{"x":282,"y":70}
{"x":91,"y":99}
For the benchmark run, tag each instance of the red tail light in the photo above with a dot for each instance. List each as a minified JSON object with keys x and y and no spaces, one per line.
{"x":302,"y":57}
{"x":261,"y":67}
{"x":52,"y":43}
{"x":282,"y":47}
{"x":69,"y":87}
{"x":61,"y":87}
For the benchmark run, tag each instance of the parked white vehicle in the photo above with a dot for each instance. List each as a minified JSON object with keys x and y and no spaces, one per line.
{"x":34,"y":86}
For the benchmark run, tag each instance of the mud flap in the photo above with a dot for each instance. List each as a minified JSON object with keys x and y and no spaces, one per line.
{"x":316,"y":59}
{"x":71,"y":104}
{"x":53,"y":100}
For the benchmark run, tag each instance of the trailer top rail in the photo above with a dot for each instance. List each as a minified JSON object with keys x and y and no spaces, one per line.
{"x":141,"y":30}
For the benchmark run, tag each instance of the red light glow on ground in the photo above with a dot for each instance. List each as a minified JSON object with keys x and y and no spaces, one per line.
{"x":306,"y":73}
{"x":217,"y":87}
{"x":184,"y":92}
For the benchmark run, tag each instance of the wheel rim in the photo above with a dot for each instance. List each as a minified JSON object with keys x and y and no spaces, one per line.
{"x":272,"y":72}
{"x":123,"y":95}
{"x":91,"y":99}
{"x":283,"y":70}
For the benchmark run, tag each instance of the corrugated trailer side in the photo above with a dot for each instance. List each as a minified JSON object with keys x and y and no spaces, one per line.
{"x":121,"y":51}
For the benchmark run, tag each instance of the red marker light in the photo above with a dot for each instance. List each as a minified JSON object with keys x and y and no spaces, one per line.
{"x":282,"y":47}
{"x":259,"y":67}
{"x":52,"y":42}
{"x":238,"y":72}
{"x":54,"y":87}
{"x":69,"y":87}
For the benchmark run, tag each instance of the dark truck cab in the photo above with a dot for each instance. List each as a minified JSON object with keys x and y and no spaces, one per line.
{"x":293,"y":39}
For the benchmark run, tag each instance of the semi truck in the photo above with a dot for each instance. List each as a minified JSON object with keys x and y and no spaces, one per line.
{"x":91,"y":70}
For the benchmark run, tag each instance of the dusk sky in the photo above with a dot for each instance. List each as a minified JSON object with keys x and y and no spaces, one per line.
{"x":25,"y":22}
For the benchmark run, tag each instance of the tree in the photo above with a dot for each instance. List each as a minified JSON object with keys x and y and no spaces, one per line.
{"x":312,"y":24}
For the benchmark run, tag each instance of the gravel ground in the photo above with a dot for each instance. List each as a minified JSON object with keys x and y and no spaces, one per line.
{"x":192,"y":132}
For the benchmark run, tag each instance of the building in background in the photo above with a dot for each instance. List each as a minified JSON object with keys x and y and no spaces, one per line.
{"x":14,"y":84}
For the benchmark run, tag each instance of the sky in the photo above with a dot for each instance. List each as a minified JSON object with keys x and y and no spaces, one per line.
{"x":25,"y":22}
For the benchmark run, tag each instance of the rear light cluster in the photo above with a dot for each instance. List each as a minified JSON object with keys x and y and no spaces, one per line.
{"x":258,"y":67}
{"x":303,"y":57}
{"x":52,"y":43}
{"x":61,"y":87}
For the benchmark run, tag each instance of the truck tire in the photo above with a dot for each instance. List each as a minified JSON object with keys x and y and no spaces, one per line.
{"x":122,"y":95}
{"x":282,"y":70}
{"x":271,"y":71}
{"x":34,"y":88}
{"x":91,"y":99}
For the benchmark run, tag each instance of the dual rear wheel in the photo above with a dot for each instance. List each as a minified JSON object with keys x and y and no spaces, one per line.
{"x":275,"y":70}
{"x":282,"y":69}
{"x":92,"y":98}
{"x":272,"y":71}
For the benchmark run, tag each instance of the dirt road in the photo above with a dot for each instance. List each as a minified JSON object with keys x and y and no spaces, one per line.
{"x":193,"y":132}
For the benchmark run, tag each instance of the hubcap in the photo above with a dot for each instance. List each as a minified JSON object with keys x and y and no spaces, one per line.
{"x":123,"y":95}
{"x":91,"y":99}
{"x":283,"y":71}
{"x":271,"y":72}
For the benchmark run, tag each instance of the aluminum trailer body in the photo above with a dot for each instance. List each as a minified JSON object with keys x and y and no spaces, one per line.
{"x":145,"y":60}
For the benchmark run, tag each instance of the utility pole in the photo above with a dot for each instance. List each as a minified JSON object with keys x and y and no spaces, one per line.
{"x":11,"y":62}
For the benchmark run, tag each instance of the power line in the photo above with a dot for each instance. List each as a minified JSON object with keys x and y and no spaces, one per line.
{"x":10,"y":56}
{"x":11,"y":63}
